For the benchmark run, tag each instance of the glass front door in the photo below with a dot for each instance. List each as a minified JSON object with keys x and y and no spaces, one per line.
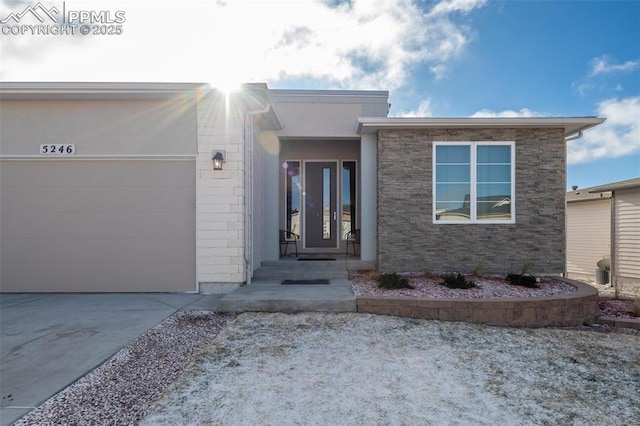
{"x":321,"y":213}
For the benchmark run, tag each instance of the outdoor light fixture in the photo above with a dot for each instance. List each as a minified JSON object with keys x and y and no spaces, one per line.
{"x":217,"y":159}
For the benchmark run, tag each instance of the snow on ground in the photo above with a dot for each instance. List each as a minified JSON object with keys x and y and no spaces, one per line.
{"x":319,"y":368}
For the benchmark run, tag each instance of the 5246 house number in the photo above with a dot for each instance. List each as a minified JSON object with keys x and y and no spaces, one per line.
{"x":58,"y":149}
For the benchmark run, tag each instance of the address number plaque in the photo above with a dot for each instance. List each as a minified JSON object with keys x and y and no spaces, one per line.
{"x":58,"y":149}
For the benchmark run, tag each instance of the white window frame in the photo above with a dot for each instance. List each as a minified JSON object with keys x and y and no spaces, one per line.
{"x":473,"y":176}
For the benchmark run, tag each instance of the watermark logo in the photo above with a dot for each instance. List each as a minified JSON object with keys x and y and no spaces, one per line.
{"x":37,"y":11}
{"x":39,"y":19}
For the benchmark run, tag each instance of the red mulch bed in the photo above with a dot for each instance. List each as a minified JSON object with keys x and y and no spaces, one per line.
{"x":619,"y":308}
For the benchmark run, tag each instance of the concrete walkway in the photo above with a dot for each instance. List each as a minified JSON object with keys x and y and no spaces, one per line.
{"x":48,"y":341}
{"x":271,"y":296}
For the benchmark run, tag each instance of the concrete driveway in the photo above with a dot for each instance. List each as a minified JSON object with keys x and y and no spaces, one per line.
{"x":48,"y":341}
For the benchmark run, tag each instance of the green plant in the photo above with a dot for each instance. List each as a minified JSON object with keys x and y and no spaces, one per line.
{"x":478,"y":270}
{"x":393,"y":281}
{"x":457,"y":281}
{"x":428,"y":273}
{"x":523,"y":280}
{"x":525,"y":269}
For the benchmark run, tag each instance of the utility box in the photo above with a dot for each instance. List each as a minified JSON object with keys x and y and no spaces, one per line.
{"x":602,"y":276}
{"x":602,"y":271}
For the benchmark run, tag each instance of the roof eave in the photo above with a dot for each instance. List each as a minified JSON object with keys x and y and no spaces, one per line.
{"x":93,"y":90}
{"x":571,"y":125}
{"x":616,"y":186}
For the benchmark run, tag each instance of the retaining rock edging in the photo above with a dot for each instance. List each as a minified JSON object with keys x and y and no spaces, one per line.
{"x":619,"y":322}
{"x":560,"y":310}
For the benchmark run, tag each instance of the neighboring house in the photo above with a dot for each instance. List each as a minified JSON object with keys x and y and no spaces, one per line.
{"x":604,"y":222}
{"x":112,"y":187}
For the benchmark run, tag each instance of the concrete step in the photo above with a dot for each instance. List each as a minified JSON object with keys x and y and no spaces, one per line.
{"x":289,"y":269}
{"x":271,"y":296}
{"x":292,"y":274}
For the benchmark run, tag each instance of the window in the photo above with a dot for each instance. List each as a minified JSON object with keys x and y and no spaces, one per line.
{"x":348,"y":197}
{"x":473,"y":182}
{"x":293,"y":194}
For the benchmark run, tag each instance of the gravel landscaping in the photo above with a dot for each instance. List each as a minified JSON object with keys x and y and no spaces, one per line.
{"x":488,"y":286}
{"x":120,"y":391}
{"x":315,"y":368}
{"x":204,"y":367}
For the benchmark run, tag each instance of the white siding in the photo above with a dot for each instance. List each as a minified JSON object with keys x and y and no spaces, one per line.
{"x":627,"y":250}
{"x":220,"y":197}
{"x":588,"y":236}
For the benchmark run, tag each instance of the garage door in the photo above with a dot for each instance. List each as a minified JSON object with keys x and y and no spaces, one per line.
{"x":85,"y":225}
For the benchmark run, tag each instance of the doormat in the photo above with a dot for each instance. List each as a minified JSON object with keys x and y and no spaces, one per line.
{"x":296,"y":282}
{"x":304,"y":259}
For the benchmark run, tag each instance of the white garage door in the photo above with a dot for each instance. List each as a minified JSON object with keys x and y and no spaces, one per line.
{"x":84,"y":225}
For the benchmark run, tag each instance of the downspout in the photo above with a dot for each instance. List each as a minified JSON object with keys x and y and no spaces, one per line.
{"x":574,"y":137}
{"x":248,"y":189}
{"x":612,"y":246}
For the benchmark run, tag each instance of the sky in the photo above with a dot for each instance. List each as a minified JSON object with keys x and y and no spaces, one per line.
{"x":442,"y":58}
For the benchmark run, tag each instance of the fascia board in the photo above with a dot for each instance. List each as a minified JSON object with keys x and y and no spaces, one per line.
{"x":616,"y":186}
{"x":329,"y":96}
{"x":94,"y":90}
{"x":570,"y":125}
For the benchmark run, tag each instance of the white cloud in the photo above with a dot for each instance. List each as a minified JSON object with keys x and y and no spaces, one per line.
{"x":449,"y":6}
{"x":616,"y":137}
{"x":424,"y":110}
{"x":439,"y":71}
{"x":365,"y":44}
{"x":603,"y":65}
{"x":524,"y":112}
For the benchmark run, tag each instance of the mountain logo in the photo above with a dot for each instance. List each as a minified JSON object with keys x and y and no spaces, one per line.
{"x":39,"y":11}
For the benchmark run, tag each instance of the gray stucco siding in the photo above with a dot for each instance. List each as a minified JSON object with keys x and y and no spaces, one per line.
{"x":408,"y":240}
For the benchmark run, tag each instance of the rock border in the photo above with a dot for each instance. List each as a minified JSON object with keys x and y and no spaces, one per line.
{"x":619,"y":322}
{"x":561,"y":310}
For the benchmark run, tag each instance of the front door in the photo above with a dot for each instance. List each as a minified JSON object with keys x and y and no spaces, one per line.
{"x":321,"y":213}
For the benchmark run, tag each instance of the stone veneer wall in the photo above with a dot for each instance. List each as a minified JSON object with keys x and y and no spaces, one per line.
{"x":408,"y":240}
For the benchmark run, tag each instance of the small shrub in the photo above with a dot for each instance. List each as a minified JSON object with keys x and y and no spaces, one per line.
{"x":478,"y":270}
{"x":457,"y":281}
{"x":635,"y":309}
{"x":523,"y":280}
{"x":393,"y":281}
{"x":427,"y":273}
{"x":525,"y":269}
{"x":370,"y":274}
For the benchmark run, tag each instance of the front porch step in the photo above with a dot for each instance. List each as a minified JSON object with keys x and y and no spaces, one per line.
{"x":310,"y":270}
{"x":290,"y":268}
{"x":271,"y":296}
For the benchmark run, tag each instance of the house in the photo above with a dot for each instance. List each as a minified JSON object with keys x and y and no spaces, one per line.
{"x":113,"y":186}
{"x":603,"y":223}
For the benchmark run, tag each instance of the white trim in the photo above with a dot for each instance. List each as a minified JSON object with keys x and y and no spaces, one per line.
{"x":92,"y":90}
{"x":571,"y":125}
{"x":473,"y":183}
{"x":98,"y":157}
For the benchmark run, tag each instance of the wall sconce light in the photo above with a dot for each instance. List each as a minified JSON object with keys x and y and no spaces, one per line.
{"x":218,"y":159}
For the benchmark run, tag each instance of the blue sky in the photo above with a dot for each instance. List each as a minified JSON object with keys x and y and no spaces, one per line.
{"x":437,"y":58}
